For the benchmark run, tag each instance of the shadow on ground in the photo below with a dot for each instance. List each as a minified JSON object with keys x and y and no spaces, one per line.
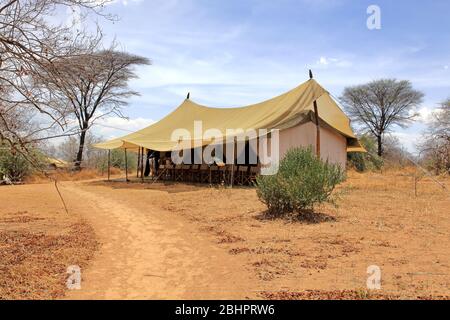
{"x":306,"y":217}
{"x":164,"y":186}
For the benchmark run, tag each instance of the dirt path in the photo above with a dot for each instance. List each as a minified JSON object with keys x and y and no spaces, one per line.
{"x":147,"y":254}
{"x":184,"y":241}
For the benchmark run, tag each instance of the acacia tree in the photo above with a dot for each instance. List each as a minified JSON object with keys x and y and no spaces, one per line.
{"x":91,"y":86}
{"x":29,"y":43}
{"x":380,"y":105}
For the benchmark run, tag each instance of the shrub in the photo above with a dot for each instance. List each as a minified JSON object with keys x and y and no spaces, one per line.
{"x":117,"y":160}
{"x":365,"y":161}
{"x":302,"y":181}
{"x":15,"y":166}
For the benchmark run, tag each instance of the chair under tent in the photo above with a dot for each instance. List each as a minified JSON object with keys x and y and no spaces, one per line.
{"x":158,"y":166}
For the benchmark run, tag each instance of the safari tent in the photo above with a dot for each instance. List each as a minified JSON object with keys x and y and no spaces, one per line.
{"x":304,"y":116}
{"x":54,"y":163}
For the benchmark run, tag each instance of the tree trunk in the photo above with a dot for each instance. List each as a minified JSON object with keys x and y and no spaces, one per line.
{"x":80,"y":150}
{"x":380,"y":145}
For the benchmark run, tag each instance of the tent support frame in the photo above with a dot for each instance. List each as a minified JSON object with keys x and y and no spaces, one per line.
{"x":317,"y":129}
{"x":109,"y":164}
{"x":138,"y":162}
{"x":232,"y":165}
{"x":126,"y":166}
{"x":316,"y":115}
{"x":142,"y":164}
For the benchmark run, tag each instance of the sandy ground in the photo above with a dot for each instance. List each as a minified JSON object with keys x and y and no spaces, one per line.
{"x":183,"y":241}
{"x":147,"y":254}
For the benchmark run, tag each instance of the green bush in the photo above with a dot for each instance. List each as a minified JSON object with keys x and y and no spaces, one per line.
{"x":302,"y":182}
{"x":15,"y":166}
{"x":365,"y":161}
{"x":117,"y":160}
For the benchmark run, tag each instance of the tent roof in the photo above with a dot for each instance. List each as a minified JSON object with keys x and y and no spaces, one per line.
{"x":283,"y":111}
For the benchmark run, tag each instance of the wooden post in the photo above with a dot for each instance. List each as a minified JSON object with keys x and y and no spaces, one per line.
{"x":316,"y":115}
{"x":232,"y":165}
{"x":142,"y":163}
{"x":138,"y":162}
{"x":109,"y":164}
{"x":232,"y":175}
{"x":126,"y":166}
{"x":210,"y":176}
{"x":317,"y":130}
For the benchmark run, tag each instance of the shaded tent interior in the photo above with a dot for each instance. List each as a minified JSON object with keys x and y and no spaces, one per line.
{"x":292,"y":113}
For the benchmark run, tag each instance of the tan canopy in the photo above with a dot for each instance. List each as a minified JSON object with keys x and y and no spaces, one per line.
{"x":58,"y":163}
{"x":284,"y":111}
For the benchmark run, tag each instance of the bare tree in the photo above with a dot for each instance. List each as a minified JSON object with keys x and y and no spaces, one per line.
{"x":441,"y":122}
{"x":28,"y":43}
{"x":436,"y":145}
{"x":92,"y":86}
{"x":395,"y":153}
{"x":68,"y":149}
{"x":380,"y":105}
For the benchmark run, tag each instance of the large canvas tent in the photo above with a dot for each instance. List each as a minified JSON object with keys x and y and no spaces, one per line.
{"x":282,"y":112}
{"x":292,"y":113}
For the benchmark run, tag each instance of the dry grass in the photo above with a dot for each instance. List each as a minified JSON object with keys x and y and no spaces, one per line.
{"x":378,"y":221}
{"x":37,"y":245}
{"x":327,"y":295}
{"x":362,"y":294}
{"x":70,"y":175}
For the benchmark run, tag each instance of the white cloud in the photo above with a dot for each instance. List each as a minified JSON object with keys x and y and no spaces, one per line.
{"x":408,"y":140}
{"x":114,"y":127}
{"x":426,"y":114}
{"x":325,"y":62}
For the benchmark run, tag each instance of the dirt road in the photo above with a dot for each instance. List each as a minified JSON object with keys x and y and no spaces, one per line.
{"x":182,"y":241}
{"x":147,"y":254}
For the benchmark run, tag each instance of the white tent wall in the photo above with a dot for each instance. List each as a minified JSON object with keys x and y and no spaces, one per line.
{"x":332,"y":144}
{"x":333,"y":147}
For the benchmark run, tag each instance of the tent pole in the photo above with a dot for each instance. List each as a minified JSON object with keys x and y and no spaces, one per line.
{"x":138,"y":162}
{"x":142,"y":164}
{"x":232,"y":165}
{"x":316,"y":115}
{"x":232,"y":175}
{"x":126,"y":166}
{"x":109,"y":164}
{"x":317,"y":129}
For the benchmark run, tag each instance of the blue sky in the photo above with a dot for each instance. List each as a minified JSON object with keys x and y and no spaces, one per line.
{"x":232,"y":53}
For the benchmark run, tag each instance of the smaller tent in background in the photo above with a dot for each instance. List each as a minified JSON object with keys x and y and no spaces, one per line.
{"x":54,"y":163}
